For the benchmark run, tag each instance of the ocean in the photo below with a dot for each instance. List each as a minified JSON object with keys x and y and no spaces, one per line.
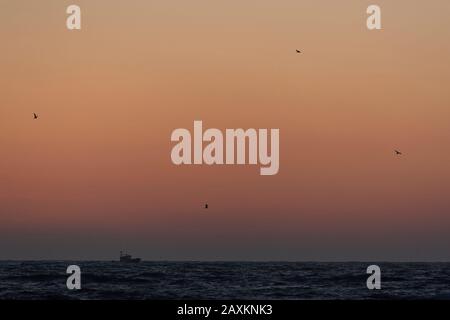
{"x":44,"y":280}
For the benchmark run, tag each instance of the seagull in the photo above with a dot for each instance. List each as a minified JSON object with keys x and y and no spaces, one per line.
{"x":298,"y":51}
{"x":35,"y":115}
{"x":206,"y":206}
{"x":397,"y":152}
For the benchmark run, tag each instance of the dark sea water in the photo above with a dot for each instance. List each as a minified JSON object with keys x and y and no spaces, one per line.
{"x":223,"y":280}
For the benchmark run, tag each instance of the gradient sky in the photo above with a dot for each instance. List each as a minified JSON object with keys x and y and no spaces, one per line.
{"x":93,"y":174}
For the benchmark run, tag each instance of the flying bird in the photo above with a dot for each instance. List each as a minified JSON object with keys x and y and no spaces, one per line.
{"x":298,"y":51}
{"x":397,"y":152}
{"x":35,"y":115}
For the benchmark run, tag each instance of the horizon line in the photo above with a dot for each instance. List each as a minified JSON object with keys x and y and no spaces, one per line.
{"x":249,"y":261}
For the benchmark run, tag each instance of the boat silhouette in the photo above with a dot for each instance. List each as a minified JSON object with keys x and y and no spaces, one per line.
{"x":124,"y":257}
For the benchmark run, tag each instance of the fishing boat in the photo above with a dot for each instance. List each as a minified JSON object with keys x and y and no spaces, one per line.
{"x":124,"y":257}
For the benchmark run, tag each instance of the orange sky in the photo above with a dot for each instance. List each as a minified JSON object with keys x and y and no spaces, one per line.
{"x":95,"y":167}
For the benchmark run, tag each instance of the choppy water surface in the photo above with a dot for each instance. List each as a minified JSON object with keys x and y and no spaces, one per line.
{"x":222,"y":280}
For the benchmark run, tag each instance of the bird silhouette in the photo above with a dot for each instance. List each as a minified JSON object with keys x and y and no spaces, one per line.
{"x":206,"y":206}
{"x":397,"y":152}
{"x":298,"y":51}
{"x":35,"y":115}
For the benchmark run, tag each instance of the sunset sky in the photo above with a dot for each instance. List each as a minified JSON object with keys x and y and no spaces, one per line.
{"x":93,"y":175}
